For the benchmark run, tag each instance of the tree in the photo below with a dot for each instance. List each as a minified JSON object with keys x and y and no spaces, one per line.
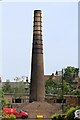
{"x":2,"y":99}
{"x":77,"y":71}
{"x":7,"y":87}
{"x":19,"y":89}
{"x":75,"y":92}
{"x":50,"y":86}
{"x":70,"y":74}
{"x":55,"y":87}
{"x":66,"y":88}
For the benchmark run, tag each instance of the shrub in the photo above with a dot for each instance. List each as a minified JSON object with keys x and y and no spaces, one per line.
{"x":58,"y":117}
{"x":67,"y":108}
{"x":54,"y":117}
{"x":70,"y":113}
{"x":12,"y":117}
{"x":77,"y":107}
{"x":8,"y":116}
{"x":4,"y":115}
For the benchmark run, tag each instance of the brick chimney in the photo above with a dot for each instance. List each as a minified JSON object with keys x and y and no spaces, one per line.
{"x":37,"y":89}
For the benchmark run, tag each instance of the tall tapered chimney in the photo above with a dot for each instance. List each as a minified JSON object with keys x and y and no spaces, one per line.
{"x":37,"y":89}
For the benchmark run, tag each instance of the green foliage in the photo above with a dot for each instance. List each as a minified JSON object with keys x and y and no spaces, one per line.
{"x":70,"y":113}
{"x":66,"y":88}
{"x":8,"y":104}
{"x":77,"y":107}
{"x":55,"y":87}
{"x":50,"y":86}
{"x":75,"y":92}
{"x":7,"y":87}
{"x":19,"y":89}
{"x":67,"y":108}
{"x":54,"y":117}
{"x":70,"y":74}
{"x":3,"y":101}
{"x":58,"y":117}
{"x":8,"y":116}
{"x":12,"y":116}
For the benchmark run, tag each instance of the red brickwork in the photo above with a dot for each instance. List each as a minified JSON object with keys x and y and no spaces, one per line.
{"x":37,"y":89}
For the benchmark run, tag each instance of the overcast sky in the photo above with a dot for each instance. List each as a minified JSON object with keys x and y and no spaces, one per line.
{"x":60,"y":36}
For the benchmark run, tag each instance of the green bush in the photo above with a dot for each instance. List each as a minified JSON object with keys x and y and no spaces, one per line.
{"x":12,"y":116}
{"x":70,"y":113}
{"x":8,"y":116}
{"x":54,"y":117}
{"x":77,"y":107}
{"x":67,"y":108}
{"x":58,"y":117}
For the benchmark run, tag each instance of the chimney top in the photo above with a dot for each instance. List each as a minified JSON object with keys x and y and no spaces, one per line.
{"x":35,"y":11}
